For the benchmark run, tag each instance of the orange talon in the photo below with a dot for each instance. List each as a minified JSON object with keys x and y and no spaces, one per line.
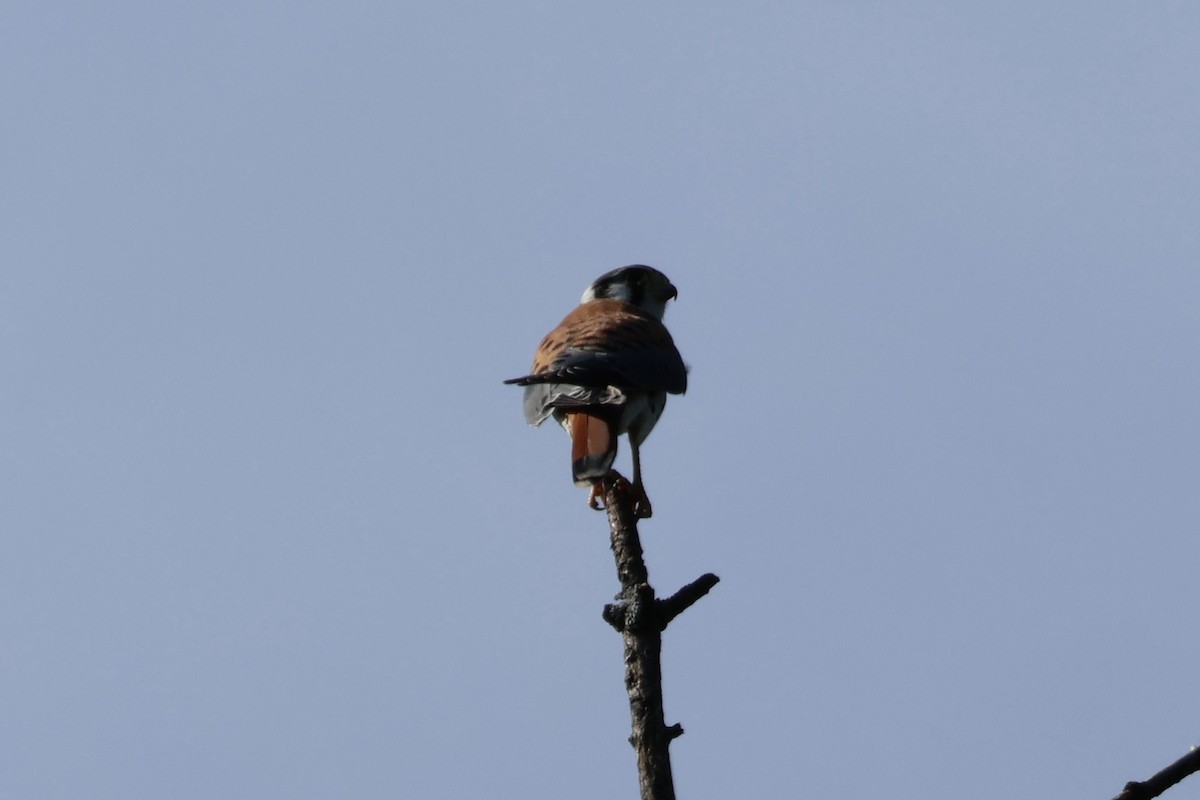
{"x":596,"y":496}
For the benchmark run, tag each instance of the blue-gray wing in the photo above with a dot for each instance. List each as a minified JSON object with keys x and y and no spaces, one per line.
{"x":543,"y":399}
{"x":601,"y":350}
{"x":583,"y":378}
{"x":655,"y":369}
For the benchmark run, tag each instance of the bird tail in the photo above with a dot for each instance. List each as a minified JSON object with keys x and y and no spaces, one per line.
{"x":593,"y":447}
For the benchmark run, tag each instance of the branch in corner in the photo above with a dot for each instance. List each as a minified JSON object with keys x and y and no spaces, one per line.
{"x":1145,"y":790}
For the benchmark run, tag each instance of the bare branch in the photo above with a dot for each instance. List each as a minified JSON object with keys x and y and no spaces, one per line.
{"x":640,"y":618}
{"x":682,"y":600}
{"x":1168,"y":777}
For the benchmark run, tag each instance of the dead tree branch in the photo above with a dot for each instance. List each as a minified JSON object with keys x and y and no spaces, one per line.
{"x":1168,"y":777}
{"x":640,"y":618}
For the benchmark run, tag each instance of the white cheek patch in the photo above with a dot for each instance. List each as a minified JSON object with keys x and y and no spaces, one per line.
{"x":614,"y":291}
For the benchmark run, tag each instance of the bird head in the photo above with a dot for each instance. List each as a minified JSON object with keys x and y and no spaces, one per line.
{"x":636,"y":284}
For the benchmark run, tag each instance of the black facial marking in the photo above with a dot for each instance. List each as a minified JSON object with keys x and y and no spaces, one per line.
{"x":626,"y":283}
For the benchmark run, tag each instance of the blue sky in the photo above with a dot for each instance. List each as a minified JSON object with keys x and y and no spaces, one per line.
{"x":274,"y":528}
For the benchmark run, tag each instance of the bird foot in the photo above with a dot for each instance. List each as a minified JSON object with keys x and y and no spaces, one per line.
{"x":596,"y":496}
{"x":641,"y":503}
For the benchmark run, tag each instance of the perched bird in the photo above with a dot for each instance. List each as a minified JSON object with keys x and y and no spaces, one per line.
{"x":606,"y":370}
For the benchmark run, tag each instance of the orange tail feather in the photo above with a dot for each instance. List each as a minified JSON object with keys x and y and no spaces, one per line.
{"x":593,"y":447}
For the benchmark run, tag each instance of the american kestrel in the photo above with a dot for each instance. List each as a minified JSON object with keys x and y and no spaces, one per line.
{"x":606,"y":370}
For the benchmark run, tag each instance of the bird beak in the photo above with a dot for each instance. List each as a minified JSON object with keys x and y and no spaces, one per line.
{"x":670,"y":293}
